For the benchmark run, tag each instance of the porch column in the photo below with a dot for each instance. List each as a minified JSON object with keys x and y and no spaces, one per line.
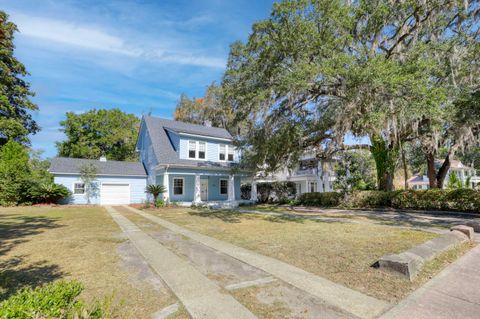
{"x":196,"y":194}
{"x":231,"y":188}
{"x":253,"y":192}
{"x":166,"y":195}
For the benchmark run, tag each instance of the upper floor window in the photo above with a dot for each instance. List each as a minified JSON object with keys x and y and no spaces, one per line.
{"x":197,"y":150}
{"x":201,"y":150}
{"x":225,"y":152}
{"x":192,"y":149}
{"x":221,"y":152}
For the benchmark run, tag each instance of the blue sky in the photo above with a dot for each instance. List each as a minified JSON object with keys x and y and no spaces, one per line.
{"x":132,"y":54}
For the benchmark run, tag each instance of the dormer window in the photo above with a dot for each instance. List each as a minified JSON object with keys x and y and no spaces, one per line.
{"x":201,"y":150}
{"x":197,"y":150}
{"x":192,"y":149}
{"x":221,"y":152}
{"x":225,"y":152}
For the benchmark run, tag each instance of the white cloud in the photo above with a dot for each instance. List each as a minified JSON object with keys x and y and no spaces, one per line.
{"x":90,"y":38}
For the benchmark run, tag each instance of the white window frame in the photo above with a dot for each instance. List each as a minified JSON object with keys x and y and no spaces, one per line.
{"x":183,"y":186}
{"x":315,"y":187}
{"x":227,"y":148}
{"x":220,"y":186}
{"x":197,"y":150}
{"x":188,"y":149}
{"x":84,"y":188}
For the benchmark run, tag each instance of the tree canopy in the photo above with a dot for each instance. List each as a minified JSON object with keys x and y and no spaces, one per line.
{"x":15,"y":120}
{"x":209,"y":109}
{"x":319,"y":69}
{"x":111,"y":133}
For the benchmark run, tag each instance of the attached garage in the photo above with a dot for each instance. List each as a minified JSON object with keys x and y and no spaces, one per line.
{"x":116,"y":182}
{"x":115,"y":194}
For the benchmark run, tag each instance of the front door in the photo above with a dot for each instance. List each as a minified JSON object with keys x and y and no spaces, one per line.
{"x":204,"y":190}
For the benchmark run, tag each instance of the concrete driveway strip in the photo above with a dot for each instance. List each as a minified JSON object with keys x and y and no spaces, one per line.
{"x":344,"y":298}
{"x":201,"y":297}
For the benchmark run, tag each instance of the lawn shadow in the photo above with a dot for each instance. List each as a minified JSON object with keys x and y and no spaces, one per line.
{"x":16,"y":272}
{"x":226,"y":215}
{"x":15,"y":229}
{"x":15,"y":276}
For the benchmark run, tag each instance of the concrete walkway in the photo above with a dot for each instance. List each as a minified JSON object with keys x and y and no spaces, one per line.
{"x":454,"y":293}
{"x":346,"y":299}
{"x":200,"y":296}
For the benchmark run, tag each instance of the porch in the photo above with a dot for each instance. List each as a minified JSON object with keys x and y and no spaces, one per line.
{"x":201,"y":187}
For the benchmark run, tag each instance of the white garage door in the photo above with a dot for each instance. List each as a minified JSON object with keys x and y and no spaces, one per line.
{"x":115,"y":194}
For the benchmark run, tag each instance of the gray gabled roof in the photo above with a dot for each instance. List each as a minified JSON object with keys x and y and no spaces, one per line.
{"x":73,"y":166}
{"x":163,"y":148}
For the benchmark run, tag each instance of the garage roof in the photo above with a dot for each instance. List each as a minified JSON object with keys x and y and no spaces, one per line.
{"x":66,"y":165}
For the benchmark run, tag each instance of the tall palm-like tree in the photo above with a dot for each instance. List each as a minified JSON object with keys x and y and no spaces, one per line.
{"x":155,"y":190}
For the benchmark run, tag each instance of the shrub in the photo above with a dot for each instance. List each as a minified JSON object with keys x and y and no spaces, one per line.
{"x":368,"y":199}
{"x":467,"y":200}
{"x":273,"y":192}
{"x":320,"y":199}
{"x":245,"y":191}
{"x":54,"y":300}
{"x":159,"y":202}
{"x":48,"y":193}
{"x":438,"y":199}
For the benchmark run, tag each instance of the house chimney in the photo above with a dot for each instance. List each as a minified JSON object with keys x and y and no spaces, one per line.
{"x":103,"y":158}
{"x":207,"y":123}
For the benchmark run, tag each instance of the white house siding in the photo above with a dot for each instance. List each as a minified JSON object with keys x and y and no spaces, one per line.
{"x":137,"y":187}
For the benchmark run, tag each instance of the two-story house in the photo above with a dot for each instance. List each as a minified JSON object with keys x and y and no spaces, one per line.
{"x":310,"y":175}
{"x":193,"y":162}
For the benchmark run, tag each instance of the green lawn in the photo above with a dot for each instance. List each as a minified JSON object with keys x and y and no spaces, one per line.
{"x":341,"y":252}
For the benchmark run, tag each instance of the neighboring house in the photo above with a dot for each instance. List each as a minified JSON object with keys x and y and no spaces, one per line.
{"x":310,"y":175}
{"x":466,"y":174}
{"x":193,"y":162}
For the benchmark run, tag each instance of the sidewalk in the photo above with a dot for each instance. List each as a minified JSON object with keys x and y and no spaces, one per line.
{"x":454,"y":293}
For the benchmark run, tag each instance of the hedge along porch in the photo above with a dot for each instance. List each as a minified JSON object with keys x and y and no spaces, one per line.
{"x":197,"y":186}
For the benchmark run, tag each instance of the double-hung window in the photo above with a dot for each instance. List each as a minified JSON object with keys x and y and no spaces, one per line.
{"x":313,"y":187}
{"x":178,"y":186}
{"x":221,"y":152}
{"x":223,"y":186}
{"x":225,"y":152}
{"x":202,"y":146}
{"x":79,"y":188}
{"x":192,"y":149}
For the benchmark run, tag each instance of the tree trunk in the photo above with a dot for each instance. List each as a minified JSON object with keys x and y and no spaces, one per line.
{"x":405,"y":168}
{"x":431,"y":171}
{"x":386,"y":158}
{"x":437,"y":179}
{"x":442,"y":172}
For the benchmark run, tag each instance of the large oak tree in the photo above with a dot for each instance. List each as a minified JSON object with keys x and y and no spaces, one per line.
{"x":319,"y":69}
